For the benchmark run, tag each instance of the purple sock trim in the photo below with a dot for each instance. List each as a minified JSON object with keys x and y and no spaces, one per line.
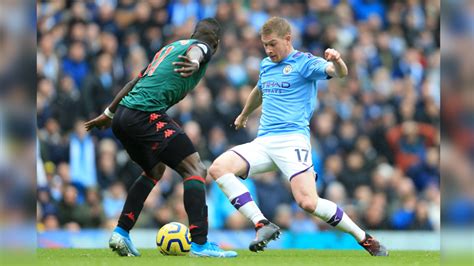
{"x":241,"y":200}
{"x":336,"y":218}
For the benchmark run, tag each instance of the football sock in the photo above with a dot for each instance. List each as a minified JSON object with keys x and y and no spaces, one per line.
{"x":196,"y":208}
{"x":329,"y":212}
{"x":137,"y":195}
{"x":240,"y":197}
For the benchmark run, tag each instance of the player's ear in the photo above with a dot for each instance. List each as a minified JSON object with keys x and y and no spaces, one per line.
{"x":288,"y":38}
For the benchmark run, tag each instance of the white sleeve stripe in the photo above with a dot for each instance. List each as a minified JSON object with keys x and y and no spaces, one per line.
{"x":203,"y":47}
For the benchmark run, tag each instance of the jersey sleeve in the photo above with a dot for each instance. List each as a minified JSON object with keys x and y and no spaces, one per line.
{"x":313,"y":67}
{"x":206,"y":50}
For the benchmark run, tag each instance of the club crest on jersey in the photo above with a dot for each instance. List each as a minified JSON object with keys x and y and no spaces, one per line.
{"x":287,"y":69}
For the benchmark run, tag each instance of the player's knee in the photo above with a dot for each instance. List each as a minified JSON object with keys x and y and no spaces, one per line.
{"x":156,"y":172}
{"x":307,"y":203}
{"x":197,"y":169}
{"x":217,"y":169}
{"x":201,"y":169}
{"x":214,"y":171}
{"x":155,"y":178}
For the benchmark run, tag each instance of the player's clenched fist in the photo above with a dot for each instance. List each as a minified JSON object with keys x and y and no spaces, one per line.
{"x":240,"y":121}
{"x":332,"y":55}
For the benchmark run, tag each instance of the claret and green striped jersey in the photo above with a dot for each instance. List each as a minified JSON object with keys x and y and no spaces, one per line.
{"x":160,"y":87}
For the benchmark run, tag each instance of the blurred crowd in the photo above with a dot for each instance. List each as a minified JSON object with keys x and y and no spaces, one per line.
{"x":375,"y":134}
{"x":457,"y":150}
{"x":17,"y":128}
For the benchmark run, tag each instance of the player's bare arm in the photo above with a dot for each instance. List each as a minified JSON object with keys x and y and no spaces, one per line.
{"x":253,"y":102}
{"x":191,"y":62}
{"x":104,"y":120}
{"x":337,"y":68}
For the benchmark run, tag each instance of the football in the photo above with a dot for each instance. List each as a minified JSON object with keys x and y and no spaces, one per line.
{"x":174,"y":239}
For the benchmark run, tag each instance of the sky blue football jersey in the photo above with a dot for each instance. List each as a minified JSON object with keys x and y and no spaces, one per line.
{"x":289,"y":93}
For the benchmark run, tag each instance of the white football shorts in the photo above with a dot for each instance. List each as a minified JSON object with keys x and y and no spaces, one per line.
{"x":290,"y":153}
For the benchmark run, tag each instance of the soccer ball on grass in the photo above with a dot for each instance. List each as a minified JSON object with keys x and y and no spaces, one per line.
{"x":174,"y":239}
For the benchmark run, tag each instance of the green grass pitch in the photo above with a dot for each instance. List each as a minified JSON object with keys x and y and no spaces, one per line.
{"x":105,"y":257}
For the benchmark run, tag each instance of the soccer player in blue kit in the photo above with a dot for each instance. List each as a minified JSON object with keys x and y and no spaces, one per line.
{"x":287,"y":91}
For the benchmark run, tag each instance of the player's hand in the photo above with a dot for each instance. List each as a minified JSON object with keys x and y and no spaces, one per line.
{"x":185,"y":68}
{"x":100,"y":122}
{"x":332,"y":55}
{"x":241,"y":121}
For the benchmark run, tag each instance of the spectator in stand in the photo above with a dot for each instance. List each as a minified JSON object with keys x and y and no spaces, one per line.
{"x":356,"y":172}
{"x":94,"y":202}
{"x":73,"y":215}
{"x":271,"y":184}
{"x":114,"y":198}
{"x":99,"y":86}
{"x":107,"y":170}
{"x":48,"y":60}
{"x":426,"y":172}
{"x":75,"y":64}
{"x":375,"y":217}
{"x":67,"y":98}
{"x":409,"y":141}
{"x":82,"y":157}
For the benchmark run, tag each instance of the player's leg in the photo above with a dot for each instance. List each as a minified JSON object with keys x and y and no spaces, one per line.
{"x":137,"y":194}
{"x":181,"y":155}
{"x":224,"y":171}
{"x":120,"y":241}
{"x":240,"y":161}
{"x":303,"y":187}
{"x":141,"y":152}
{"x":292,"y":155}
{"x":193,"y":172}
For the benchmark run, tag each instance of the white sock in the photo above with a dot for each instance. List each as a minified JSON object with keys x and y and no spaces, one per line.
{"x":240,"y":197}
{"x":335,"y":216}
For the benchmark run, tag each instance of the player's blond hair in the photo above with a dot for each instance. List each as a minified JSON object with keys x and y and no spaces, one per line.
{"x":278,"y":25}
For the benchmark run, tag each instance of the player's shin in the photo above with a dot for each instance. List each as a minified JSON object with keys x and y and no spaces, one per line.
{"x":329,"y":212}
{"x":240,"y":197}
{"x":196,"y":208}
{"x":137,"y":195}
